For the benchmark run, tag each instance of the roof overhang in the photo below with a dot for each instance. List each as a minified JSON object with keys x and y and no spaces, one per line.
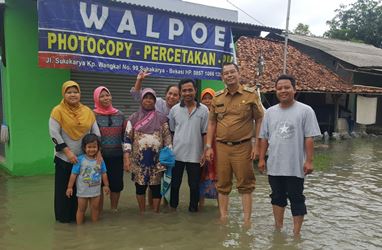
{"x":187,"y":8}
{"x":238,"y":28}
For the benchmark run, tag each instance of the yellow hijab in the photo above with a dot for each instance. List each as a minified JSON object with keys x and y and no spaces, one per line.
{"x":75,"y":121}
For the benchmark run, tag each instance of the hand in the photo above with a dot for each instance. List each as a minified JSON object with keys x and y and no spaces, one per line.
{"x":126,"y":163}
{"x":261,"y":166}
{"x":202,"y":160}
{"x":69,"y":192}
{"x":308,"y":167}
{"x":72,"y":157}
{"x":142,"y":75}
{"x":160,"y":168}
{"x":106,"y":190}
{"x":254,"y":153}
{"x":99,"y":158}
{"x":209,"y":154}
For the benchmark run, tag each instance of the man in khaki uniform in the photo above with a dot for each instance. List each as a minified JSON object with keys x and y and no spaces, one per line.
{"x":231,"y":118}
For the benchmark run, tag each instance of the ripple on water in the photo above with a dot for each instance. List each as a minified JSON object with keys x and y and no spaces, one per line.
{"x":344,"y":211}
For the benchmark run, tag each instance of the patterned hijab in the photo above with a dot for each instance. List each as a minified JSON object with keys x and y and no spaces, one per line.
{"x":74,"y":120}
{"x":147,"y":121}
{"x":98,"y":108}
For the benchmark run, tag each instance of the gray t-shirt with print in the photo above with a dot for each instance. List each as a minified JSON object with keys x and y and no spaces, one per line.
{"x":89,"y":176}
{"x":286,"y":130}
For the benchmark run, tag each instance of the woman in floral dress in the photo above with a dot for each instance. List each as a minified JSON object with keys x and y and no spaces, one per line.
{"x":147,"y":132}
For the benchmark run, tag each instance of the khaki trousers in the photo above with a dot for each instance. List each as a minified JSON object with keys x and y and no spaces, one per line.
{"x":235,"y":159}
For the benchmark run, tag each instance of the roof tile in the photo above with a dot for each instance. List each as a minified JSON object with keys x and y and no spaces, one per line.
{"x":310,"y":75}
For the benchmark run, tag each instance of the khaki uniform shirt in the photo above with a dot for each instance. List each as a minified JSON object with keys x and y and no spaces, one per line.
{"x":234,"y":114}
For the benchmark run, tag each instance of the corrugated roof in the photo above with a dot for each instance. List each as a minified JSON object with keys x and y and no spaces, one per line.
{"x":310,"y":75}
{"x":357,"y":54}
{"x":241,"y":25}
{"x":189,"y":8}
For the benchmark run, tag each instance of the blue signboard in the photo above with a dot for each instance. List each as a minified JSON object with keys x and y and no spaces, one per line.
{"x":107,"y":36}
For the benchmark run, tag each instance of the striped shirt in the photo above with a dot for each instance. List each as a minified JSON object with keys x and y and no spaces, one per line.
{"x":112,"y":128}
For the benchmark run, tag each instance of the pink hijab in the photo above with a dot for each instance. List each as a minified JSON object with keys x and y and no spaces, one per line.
{"x":98,"y":108}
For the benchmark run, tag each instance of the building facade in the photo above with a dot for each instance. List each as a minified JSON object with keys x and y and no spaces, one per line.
{"x":29,"y":92}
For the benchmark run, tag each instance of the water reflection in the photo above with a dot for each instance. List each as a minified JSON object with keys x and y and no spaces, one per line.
{"x":344,"y":211}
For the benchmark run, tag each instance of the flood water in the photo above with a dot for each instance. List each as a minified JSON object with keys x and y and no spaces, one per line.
{"x":344,"y":202}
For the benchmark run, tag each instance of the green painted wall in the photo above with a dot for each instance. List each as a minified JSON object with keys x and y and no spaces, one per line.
{"x":213,"y":84}
{"x":29,"y":94}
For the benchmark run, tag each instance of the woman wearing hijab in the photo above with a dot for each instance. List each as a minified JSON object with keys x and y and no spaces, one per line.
{"x":163,"y":106}
{"x":208,"y":178}
{"x":69,"y":122}
{"x":147,"y":132}
{"x":111,"y":123}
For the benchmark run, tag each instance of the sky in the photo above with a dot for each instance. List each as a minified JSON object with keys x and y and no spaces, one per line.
{"x":273,"y":13}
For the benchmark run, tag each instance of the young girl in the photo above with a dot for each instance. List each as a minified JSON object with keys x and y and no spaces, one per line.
{"x":87,"y":174}
{"x":207,"y":188}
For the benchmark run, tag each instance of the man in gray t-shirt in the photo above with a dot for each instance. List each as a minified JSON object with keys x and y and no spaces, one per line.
{"x":287,"y":133}
{"x":188,"y":122}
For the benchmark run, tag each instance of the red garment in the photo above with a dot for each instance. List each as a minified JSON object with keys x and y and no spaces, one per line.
{"x":209,"y":168}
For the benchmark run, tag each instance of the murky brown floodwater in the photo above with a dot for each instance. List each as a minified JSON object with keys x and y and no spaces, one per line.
{"x":344,"y":212}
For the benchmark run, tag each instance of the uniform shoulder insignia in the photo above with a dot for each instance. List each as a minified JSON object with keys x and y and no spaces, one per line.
{"x":219,"y":92}
{"x":250,"y":89}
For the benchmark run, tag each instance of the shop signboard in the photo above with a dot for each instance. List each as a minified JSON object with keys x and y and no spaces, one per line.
{"x":109,"y":36}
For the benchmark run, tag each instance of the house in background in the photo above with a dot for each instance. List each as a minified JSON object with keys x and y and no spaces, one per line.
{"x":318,"y":86}
{"x":356,"y":63}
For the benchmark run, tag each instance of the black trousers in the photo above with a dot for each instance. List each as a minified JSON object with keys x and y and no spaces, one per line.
{"x":64,"y":208}
{"x":288,"y":187}
{"x":193,"y":173}
{"x":155,"y":190}
{"x":114,"y":166}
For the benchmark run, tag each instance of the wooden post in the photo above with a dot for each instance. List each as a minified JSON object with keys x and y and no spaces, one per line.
{"x":336,"y":98}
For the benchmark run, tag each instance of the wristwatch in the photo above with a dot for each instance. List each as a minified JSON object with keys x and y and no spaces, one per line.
{"x":207,"y":146}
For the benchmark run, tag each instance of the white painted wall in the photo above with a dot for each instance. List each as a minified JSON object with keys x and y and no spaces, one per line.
{"x":189,"y":8}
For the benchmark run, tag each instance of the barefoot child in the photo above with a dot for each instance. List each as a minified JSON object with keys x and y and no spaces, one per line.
{"x":87,"y":174}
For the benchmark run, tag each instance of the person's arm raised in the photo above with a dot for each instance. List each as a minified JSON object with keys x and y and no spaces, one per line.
{"x":140,"y":77}
{"x":137,"y":89}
